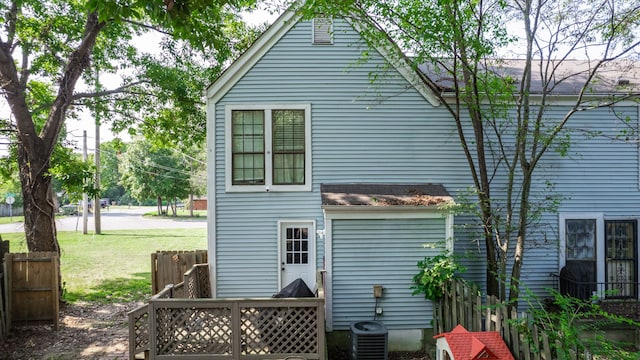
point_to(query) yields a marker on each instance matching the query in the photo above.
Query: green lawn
(116, 265)
(12, 219)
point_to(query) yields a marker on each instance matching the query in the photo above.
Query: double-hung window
(268, 148)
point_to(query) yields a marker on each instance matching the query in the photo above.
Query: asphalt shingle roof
(567, 78)
(364, 194)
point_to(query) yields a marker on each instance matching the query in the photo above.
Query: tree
(51, 47)
(109, 169)
(503, 120)
(149, 172)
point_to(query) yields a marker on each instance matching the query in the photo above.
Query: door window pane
(297, 245)
(581, 239)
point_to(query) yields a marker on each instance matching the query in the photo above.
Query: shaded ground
(97, 331)
(86, 331)
(344, 355)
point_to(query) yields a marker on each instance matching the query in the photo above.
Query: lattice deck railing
(238, 329)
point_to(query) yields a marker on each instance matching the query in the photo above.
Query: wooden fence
(4, 327)
(168, 267)
(32, 288)
(462, 304)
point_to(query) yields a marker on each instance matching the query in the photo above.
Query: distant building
(199, 203)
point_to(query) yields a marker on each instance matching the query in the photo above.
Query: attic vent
(322, 31)
(623, 82)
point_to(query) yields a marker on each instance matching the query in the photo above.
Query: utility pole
(96, 201)
(85, 196)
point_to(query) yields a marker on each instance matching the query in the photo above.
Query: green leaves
(150, 172)
(435, 275)
(72, 174)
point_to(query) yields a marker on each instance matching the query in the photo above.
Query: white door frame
(282, 224)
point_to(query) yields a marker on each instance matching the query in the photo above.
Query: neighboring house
(312, 165)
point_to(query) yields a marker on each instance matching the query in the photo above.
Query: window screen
(288, 147)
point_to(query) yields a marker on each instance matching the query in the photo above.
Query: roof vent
(322, 31)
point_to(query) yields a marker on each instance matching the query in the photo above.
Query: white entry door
(298, 252)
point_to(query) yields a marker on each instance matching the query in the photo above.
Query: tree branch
(121, 89)
(147, 26)
(78, 61)
(11, 17)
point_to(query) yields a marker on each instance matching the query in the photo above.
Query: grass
(116, 265)
(12, 219)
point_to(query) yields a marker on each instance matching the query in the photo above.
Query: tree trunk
(159, 205)
(34, 151)
(191, 204)
(39, 209)
(38, 206)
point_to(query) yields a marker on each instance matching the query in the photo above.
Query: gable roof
(384, 194)
(476, 345)
(275, 32)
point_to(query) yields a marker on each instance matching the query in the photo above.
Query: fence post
(478, 309)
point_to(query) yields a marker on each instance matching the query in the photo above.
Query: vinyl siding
(361, 132)
(599, 174)
(386, 132)
(384, 252)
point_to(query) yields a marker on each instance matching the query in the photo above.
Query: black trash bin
(369, 340)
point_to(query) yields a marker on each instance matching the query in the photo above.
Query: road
(118, 218)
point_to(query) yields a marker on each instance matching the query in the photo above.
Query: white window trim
(600, 251)
(268, 186)
(312, 235)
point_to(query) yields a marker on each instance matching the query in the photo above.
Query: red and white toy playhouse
(460, 344)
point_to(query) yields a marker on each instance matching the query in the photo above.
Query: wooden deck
(238, 329)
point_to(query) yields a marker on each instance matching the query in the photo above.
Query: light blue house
(314, 166)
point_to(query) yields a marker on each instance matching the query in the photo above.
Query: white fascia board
(382, 212)
(249, 58)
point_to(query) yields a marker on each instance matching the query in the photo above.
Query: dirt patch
(85, 331)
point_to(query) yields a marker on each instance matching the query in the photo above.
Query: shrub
(579, 327)
(435, 275)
